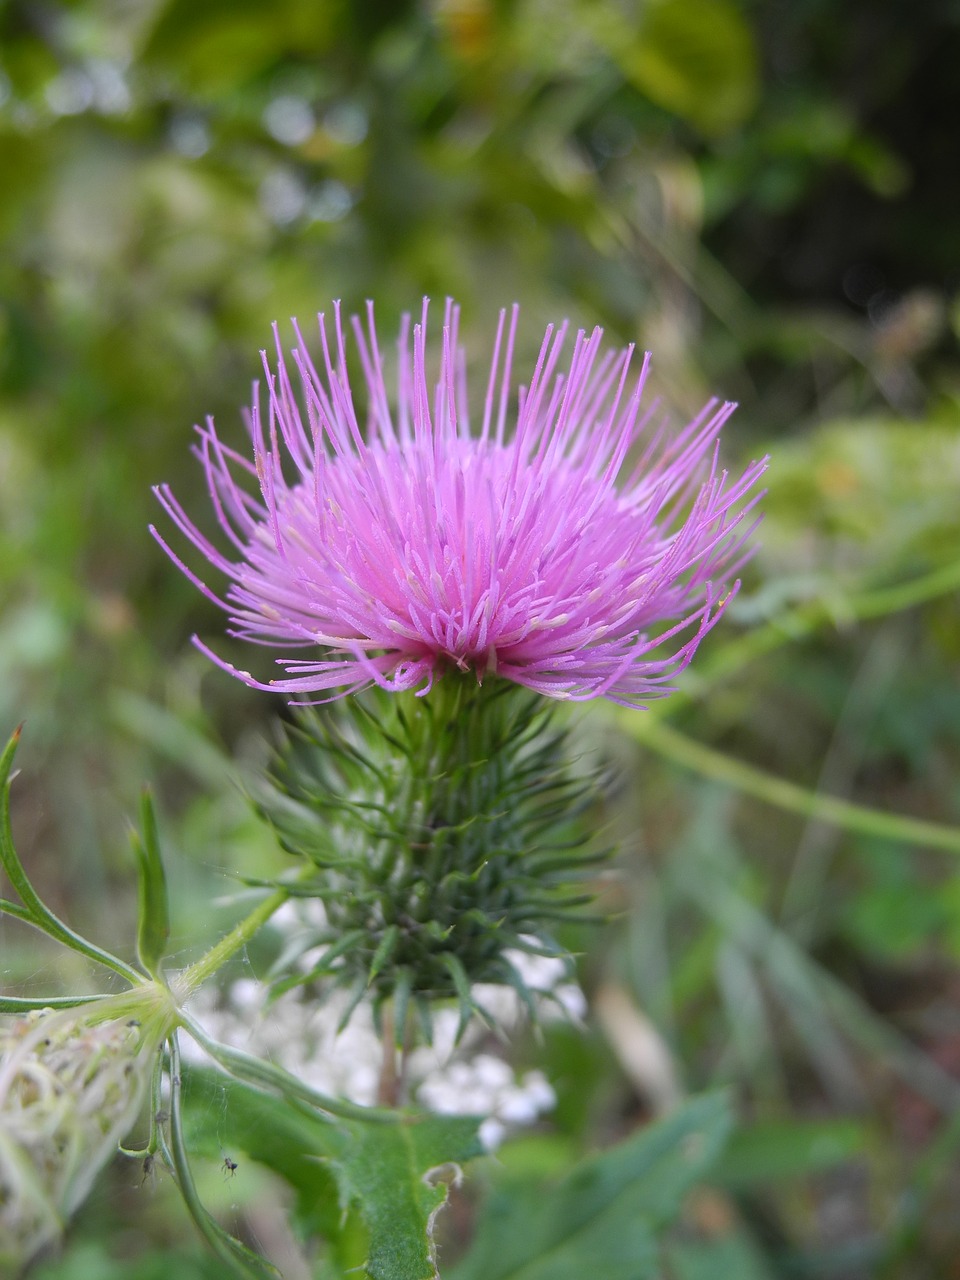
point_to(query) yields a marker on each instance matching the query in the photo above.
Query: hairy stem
(196, 974)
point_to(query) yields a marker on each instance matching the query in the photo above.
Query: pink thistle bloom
(582, 553)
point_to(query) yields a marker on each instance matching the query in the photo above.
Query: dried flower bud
(71, 1086)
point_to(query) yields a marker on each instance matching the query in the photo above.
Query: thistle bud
(71, 1086)
(444, 832)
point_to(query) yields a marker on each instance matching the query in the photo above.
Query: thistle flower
(71, 1086)
(570, 544)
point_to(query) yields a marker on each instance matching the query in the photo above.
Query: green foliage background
(767, 196)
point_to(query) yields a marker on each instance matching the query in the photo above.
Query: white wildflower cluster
(71, 1086)
(301, 1034)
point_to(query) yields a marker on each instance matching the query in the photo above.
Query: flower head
(569, 543)
(71, 1086)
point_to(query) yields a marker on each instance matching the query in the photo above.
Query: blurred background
(767, 196)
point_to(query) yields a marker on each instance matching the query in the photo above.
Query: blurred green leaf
(92, 1258)
(217, 47)
(731, 1256)
(869, 498)
(605, 1216)
(777, 1150)
(895, 913)
(695, 58)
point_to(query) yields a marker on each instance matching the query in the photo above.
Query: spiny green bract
(444, 830)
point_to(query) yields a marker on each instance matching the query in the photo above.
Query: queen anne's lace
(570, 544)
(70, 1089)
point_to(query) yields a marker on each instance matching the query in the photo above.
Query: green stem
(189, 979)
(239, 1260)
(787, 795)
(24, 1004)
(267, 1075)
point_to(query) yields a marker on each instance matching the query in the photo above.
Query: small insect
(149, 1168)
(229, 1167)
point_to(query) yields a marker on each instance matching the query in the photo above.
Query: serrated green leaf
(393, 1176)
(397, 1177)
(604, 1217)
(153, 915)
